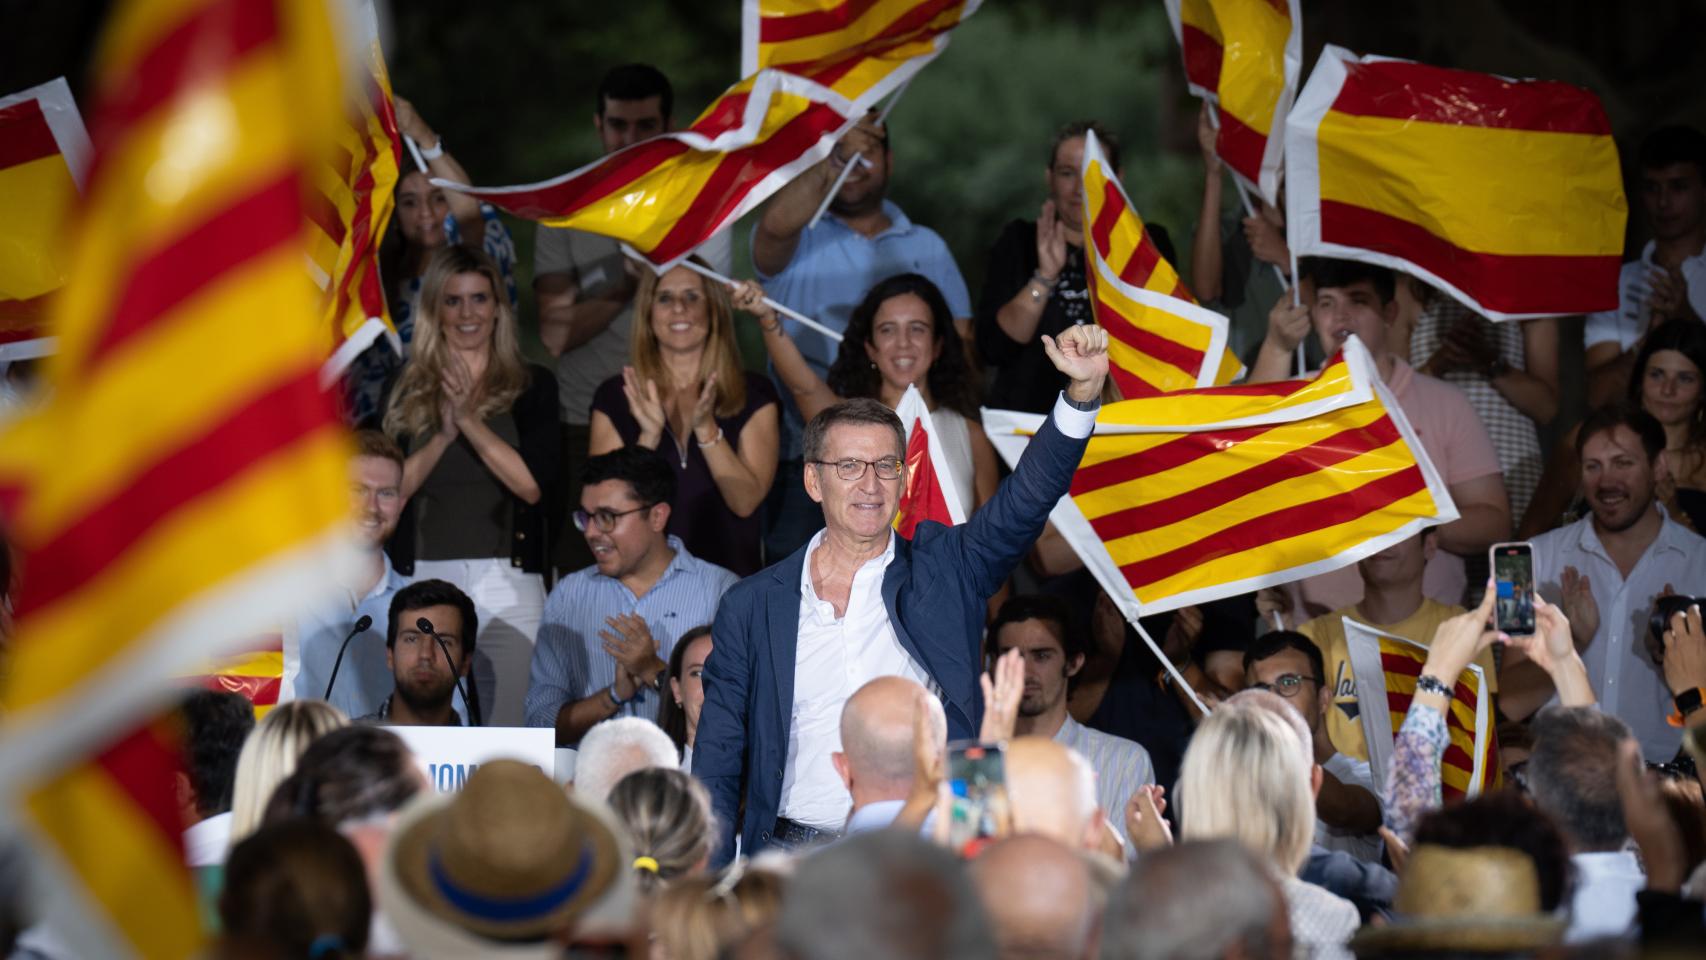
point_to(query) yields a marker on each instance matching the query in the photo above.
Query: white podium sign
(449, 755)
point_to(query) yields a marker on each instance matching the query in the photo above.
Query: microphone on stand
(361, 626)
(470, 693)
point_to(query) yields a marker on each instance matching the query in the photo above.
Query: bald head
(1010, 876)
(1053, 792)
(876, 737)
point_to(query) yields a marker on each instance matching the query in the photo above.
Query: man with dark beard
(1605, 570)
(1041, 628)
(424, 683)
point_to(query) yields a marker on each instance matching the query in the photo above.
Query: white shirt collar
(880, 561)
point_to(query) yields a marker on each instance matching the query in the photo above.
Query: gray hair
(861, 411)
(1572, 774)
(617, 747)
(885, 894)
(1158, 913)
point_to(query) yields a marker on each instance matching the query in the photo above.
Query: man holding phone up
(1605, 570)
(859, 602)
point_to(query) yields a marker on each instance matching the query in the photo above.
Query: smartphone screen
(977, 778)
(1513, 579)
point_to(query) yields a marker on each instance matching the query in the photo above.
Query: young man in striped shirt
(1040, 627)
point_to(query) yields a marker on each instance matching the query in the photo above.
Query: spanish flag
(44, 151)
(1159, 339)
(253, 669)
(183, 483)
(861, 49)
(930, 492)
(350, 208)
(1505, 193)
(1201, 494)
(1245, 56)
(1390, 665)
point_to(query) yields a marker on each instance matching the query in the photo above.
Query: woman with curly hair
(902, 334)
(479, 427)
(686, 397)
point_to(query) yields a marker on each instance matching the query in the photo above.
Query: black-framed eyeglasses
(852, 468)
(1287, 684)
(606, 519)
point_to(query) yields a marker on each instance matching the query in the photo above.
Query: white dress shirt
(835, 657)
(205, 842)
(1626, 325)
(1628, 684)
(1351, 772)
(1602, 901)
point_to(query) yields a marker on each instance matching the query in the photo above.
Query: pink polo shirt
(1460, 449)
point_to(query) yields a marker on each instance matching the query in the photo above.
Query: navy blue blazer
(936, 590)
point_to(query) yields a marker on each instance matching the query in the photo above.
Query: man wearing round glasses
(859, 602)
(608, 629)
(1347, 812)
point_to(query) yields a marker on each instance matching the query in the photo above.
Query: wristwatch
(1428, 683)
(1686, 702)
(1085, 406)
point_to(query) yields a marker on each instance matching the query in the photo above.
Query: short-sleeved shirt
(1025, 379)
(832, 269)
(597, 264)
(699, 515)
(1344, 717)
(569, 662)
(1626, 325)
(1457, 443)
(1627, 683)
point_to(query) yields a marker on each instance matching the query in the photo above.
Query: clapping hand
(457, 383)
(1051, 242)
(1669, 298)
(1080, 352)
(701, 419)
(645, 405)
(1580, 607)
(630, 643)
(1001, 696)
(1144, 823)
(1685, 651)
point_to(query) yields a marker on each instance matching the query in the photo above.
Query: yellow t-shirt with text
(1344, 716)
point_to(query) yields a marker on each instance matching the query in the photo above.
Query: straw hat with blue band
(509, 858)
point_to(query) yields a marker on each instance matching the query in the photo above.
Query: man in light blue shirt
(312, 642)
(604, 644)
(824, 270)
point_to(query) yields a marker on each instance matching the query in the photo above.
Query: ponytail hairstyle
(668, 816)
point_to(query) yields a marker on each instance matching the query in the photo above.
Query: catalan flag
(1391, 664)
(861, 49)
(930, 492)
(1171, 507)
(350, 207)
(1245, 56)
(183, 485)
(253, 668)
(1507, 194)
(44, 151)
(1159, 339)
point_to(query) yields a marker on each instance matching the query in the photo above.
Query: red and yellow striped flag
(930, 492)
(1158, 338)
(1245, 56)
(254, 669)
(351, 207)
(1171, 506)
(44, 151)
(667, 195)
(861, 49)
(183, 484)
(1470, 763)
(1505, 193)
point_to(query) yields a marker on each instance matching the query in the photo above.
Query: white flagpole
(847, 171)
(708, 273)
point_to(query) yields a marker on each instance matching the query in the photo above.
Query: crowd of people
(799, 734)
